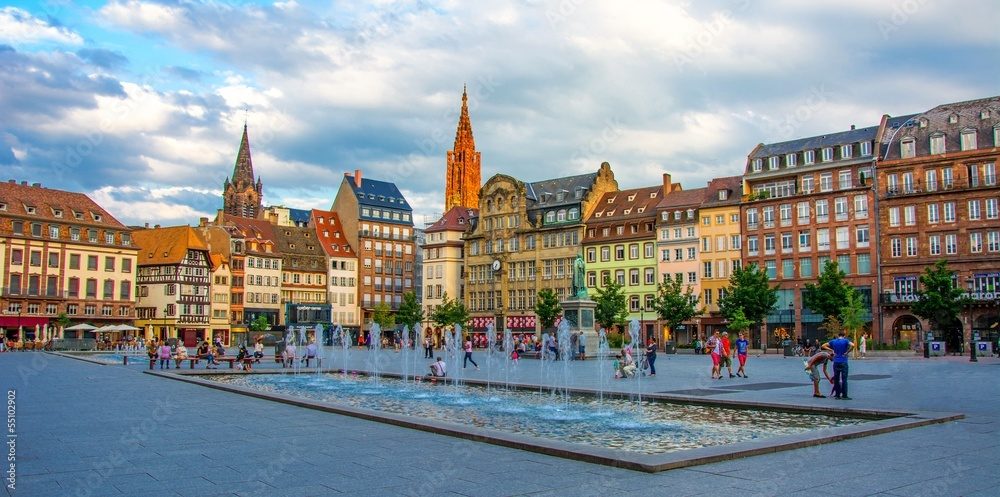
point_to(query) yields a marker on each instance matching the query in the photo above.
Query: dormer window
(361, 196)
(937, 143)
(758, 165)
(560, 196)
(827, 154)
(953, 119)
(772, 163)
(96, 216)
(640, 210)
(57, 212)
(578, 194)
(371, 196)
(790, 160)
(381, 198)
(809, 157)
(652, 194)
(922, 122)
(30, 209)
(690, 214)
(677, 215)
(611, 200)
(907, 148)
(969, 139)
(866, 149)
(78, 214)
(845, 151)
(3, 206)
(723, 194)
(631, 197)
(626, 212)
(665, 216)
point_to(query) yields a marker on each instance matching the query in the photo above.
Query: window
(708, 296)
(619, 252)
(758, 165)
(633, 251)
(808, 184)
(866, 149)
(785, 214)
(706, 269)
(993, 241)
(911, 246)
(843, 237)
(650, 276)
(771, 269)
(991, 208)
(802, 209)
(35, 259)
(692, 277)
(897, 247)
(789, 160)
(968, 139)
(826, 182)
(605, 254)
(786, 243)
(862, 236)
(975, 242)
(910, 215)
(937, 144)
(973, 171)
(633, 277)
(822, 211)
(951, 244)
(844, 180)
(827, 154)
(805, 268)
(930, 180)
(769, 244)
(908, 182)
(772, 163)
(706, 244)
(720, 243)
(864, 264)
(907, 148)
(805, 241)
(933, 216)
(648, 250)
(823, 239)
(844, 263)
(620, 277)
(974, 213)
(989, 174)
(591, 255)
(934, 244)
(734, 242)
(949, 212)
(894, 216)
(947, 179)
(787, 268)
(860, 207)
(692, 253)
(109, 263)
(92, 262)
(752, 218)
(840, 208)
(752, 245)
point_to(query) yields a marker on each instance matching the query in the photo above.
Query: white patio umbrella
(81, 327)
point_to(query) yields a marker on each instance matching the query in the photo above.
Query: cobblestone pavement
(91, 430)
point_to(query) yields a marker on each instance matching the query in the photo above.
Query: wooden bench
(280, 360)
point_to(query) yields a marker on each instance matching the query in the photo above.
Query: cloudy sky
(141, 103)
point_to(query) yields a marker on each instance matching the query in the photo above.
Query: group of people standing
(721, 350)
(835, 351)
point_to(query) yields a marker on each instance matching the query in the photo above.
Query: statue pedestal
(580, 314)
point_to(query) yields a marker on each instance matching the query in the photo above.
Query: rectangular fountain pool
(653, 434)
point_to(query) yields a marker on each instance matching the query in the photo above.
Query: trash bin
(788, 348)
(669, 347)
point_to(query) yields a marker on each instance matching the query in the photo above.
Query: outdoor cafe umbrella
(81, 327)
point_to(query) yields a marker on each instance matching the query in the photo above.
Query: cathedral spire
(462, 175)
(243, 170)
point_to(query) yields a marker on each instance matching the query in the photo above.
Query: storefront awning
(23, 321)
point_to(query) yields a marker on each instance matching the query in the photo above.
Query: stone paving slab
(86, 429)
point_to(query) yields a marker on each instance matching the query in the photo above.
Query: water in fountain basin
(508, 348)
(374, 347)
(602, 357)
(491, 342)
(637, 348)
(565, 354)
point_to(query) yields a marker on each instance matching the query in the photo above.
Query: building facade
(60, 252)
(222, 276)
(174, 284)
(342, 270)
(938, 199)
(806, 202)
(262, 269)
(721, 242)
(677, 241)
(241, 197)
(444, 259)
(304, 295)
(619, 245)
(378, 223)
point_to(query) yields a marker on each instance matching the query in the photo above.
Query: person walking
(863, 346)
(714, 348)
(812, 370)
(840, 347)
(726, 358)
(468, 355)
(651, 355)
(572, 346)
(165, 354)
(742, 346)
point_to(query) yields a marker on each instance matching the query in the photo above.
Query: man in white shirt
(438, 368)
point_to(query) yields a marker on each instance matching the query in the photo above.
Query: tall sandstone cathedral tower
(463, 177)
(241, 197)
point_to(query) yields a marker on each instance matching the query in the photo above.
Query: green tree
(450, 312)
(674, 306)
(612, 305)
(852, 316)
(547, 308)
(750, 293)
(383, 316)
(829, 295)
(260, 324)
(940, 301)
(63, 320)
(739, 322)
(410, 312)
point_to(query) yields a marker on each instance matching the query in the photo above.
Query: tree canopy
(674, 305)
(939, 299)
(547, 308)
(612, 305)
(410, 312)
(830, 293)
(383, 316)
(450, 312)
(750, 293)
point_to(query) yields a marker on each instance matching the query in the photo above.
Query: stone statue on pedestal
(579, 284)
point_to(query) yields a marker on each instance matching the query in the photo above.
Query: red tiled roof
(683, 198)
(732, 184)
(330, 234)
(456, 219)
(75, 208)
(166, 245)
(255, 230)
(638, 202)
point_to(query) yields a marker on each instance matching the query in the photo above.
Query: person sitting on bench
(242, 356)
(258, 350)
(181, 355)
(288, 357)
(438, 368)
(311, 350)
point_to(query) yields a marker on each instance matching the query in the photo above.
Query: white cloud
(19, 27)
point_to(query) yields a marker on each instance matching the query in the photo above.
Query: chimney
(156, 226)
(146, 225)
(666, 183)
(24, 183)
(202, 222)
(852, 127)
(357, 178)
(36, 185)
(12, 181)
(220, 217)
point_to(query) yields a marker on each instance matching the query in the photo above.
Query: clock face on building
(496, 265)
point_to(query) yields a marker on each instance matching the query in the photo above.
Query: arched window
(550, 217)
(561, 216)
(574, 213)
(489, 206)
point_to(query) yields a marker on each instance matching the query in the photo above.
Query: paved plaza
(90, 430)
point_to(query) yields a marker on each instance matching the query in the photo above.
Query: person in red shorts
(727, 358)
(714, 348)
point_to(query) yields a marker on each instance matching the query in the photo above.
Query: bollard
(972, 354)
(126, 360)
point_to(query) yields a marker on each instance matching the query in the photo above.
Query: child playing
(514, 356)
